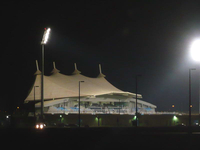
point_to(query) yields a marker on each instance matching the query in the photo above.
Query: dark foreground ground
(101, 138)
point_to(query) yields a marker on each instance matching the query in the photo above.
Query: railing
(121, 111)
(115, 110)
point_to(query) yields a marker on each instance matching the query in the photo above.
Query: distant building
(97, 95)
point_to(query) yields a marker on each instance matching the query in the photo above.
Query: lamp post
(34, 99)
(195, 53)
(190, 97)
(136, 86)
(43, 42)
(79, 97)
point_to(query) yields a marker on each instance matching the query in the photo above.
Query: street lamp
(190, 95)
(136, 86)
(79, 97)
(43, 42)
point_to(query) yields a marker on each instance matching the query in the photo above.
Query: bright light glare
(37, 126)
(195, 50)
(41, 126)
(175, 118)
(46, 36)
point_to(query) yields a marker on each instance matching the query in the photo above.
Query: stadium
(97, 95)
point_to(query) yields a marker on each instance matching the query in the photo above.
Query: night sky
(127, 38)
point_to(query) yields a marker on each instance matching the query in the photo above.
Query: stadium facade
(97, 95)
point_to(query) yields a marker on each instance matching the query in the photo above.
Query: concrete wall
(121, 120)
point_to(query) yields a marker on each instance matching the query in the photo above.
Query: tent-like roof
(58, 86)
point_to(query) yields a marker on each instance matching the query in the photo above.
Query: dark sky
(127, 38)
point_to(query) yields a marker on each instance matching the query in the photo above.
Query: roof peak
(55, 70)
(100, 72)
(38, 72)
(76, 71)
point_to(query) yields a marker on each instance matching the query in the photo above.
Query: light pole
(190, 96)
(34, 99)
(43, 42)
(136, 86)
(195, 53)
(79, 97)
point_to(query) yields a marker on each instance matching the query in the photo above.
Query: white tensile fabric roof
(66, 86)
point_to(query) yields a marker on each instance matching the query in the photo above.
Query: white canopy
(59, 86)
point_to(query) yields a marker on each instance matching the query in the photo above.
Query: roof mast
(38, 71)
(100, 72)
(55, 70)
(76, 71)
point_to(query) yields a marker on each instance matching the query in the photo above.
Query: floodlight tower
(190, 97)
(195, 53)
(43, 42)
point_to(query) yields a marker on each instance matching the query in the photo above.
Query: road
(102, 138)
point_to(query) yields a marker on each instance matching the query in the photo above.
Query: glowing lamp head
(195, 50)
(45, 36)
(175, 118)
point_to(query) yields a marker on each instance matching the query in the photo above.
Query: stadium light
(45, 36)
(195, 53)
(43, 42)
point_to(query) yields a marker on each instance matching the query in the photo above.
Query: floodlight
(45, 36)
(195, 50)
(175, 118)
